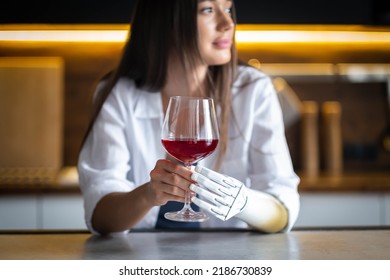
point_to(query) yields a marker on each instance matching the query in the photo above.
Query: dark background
(367, 12)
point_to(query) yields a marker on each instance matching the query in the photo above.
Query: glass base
(186, 215)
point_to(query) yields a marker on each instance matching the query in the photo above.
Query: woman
(185, 47)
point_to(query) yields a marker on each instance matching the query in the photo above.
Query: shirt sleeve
(271, 168)
(103, 160)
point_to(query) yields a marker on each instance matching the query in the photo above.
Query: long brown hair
(157, 28)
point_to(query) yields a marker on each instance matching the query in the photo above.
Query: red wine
(190, 151)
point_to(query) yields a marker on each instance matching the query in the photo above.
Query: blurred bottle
(309, 139)
(332, 138)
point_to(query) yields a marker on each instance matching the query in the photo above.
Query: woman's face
(216, 31)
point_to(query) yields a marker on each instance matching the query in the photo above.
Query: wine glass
(189, 134)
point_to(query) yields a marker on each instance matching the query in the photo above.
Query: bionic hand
(220, 195)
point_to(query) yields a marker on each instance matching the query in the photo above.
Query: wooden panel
(31, 117)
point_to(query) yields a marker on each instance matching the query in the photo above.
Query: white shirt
(124, 145)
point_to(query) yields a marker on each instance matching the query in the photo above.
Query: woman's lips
(223, 43)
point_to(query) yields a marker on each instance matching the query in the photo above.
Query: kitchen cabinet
(342, 209)
(19, 212)
(387, 209)
(318, 209)
(41, 211)
(352, 70)
(62, 212)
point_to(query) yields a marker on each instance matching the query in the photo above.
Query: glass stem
(187, 201)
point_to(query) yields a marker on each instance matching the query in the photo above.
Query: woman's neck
(181, 82)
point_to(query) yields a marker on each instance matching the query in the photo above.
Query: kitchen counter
(315, 244)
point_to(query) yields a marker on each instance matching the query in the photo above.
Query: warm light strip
(64, 35)
(242, 36)
(282, 36)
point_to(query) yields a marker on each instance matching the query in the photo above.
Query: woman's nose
(225, 21)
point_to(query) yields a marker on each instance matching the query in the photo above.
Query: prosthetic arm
(226, 197)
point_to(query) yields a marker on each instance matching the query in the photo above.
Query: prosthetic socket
(218, 194)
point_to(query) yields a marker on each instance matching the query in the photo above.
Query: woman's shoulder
(125, 89)
(122, 84)
(125, 84)
(248, 75)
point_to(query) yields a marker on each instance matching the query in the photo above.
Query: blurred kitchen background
(329, 60)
